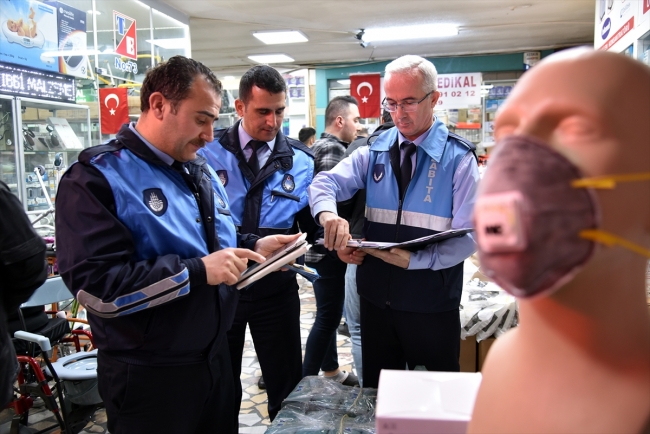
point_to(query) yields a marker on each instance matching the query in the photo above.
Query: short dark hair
(306, 133)
(386, 117)
(338, 106)
(174, 79)
(262, 76)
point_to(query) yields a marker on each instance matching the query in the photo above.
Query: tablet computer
(274, 261)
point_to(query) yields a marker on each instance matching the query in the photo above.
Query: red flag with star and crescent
(365, 88)
(114, 109)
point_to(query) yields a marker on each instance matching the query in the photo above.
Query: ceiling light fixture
(90, 11)
(409, 32)
(281, 37)
(270, 58)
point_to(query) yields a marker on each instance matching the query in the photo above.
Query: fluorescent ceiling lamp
(346, 81)
(90, 11)
(169, 44)
(281, 37)
(409, 32)
(270, 58)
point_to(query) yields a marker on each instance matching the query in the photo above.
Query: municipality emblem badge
(155, 200)
(223, 177)
(222, 203)
(288, 184)
(378, 172)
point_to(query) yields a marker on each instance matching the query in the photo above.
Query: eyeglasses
(407, 106)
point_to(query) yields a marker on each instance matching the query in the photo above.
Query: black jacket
(281, 159)
(96, 254)
(22, 270)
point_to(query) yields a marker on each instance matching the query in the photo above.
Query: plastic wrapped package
(486, 310)
(293, 419)
(509, 320)
(318, 405)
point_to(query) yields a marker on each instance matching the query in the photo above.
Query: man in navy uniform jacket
(420, 179)
(147, 244)
(266, 175)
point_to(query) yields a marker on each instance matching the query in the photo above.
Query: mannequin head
(588, 107)
(585, 104)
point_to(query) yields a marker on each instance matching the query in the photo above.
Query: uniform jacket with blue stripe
(130, 234)
(269, 203)
(426, 208)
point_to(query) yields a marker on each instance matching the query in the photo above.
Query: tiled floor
(253, 417)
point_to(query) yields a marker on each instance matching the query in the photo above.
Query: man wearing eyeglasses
(420, 179)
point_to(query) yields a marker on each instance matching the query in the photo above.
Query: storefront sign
(72, 41)
(86, 95)
(21, 81)
(458, 91)
(624, 30)
(618, 24)
(531, 58)
(607, 26)
(127, 66)
(29, 33)
(124, 31)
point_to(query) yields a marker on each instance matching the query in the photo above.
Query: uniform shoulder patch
(288, 184)
(155, 200)
(378, 172)
(223, 177)
(222, 203)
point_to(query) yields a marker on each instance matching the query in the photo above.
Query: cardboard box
(483, 348)
(414, 402)
(30, 114)
(468, 355)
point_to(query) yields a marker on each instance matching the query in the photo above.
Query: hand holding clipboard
(274, 261)
(410, 245)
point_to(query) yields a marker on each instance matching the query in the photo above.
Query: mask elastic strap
(609, 182)
(610, 240)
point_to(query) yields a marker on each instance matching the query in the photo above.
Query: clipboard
(411, 245)
(274, 261)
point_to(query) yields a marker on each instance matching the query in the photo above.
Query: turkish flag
(114, 109)
(366, 89)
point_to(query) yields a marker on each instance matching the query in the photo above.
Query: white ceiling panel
(221, 30)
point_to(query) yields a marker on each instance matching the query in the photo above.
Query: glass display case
(8, 141)
(497, 92)
(46, 136)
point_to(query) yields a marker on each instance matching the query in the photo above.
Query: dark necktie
(406, 167)
(253, 162)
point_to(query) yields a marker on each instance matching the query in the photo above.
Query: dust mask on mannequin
(537, 219)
